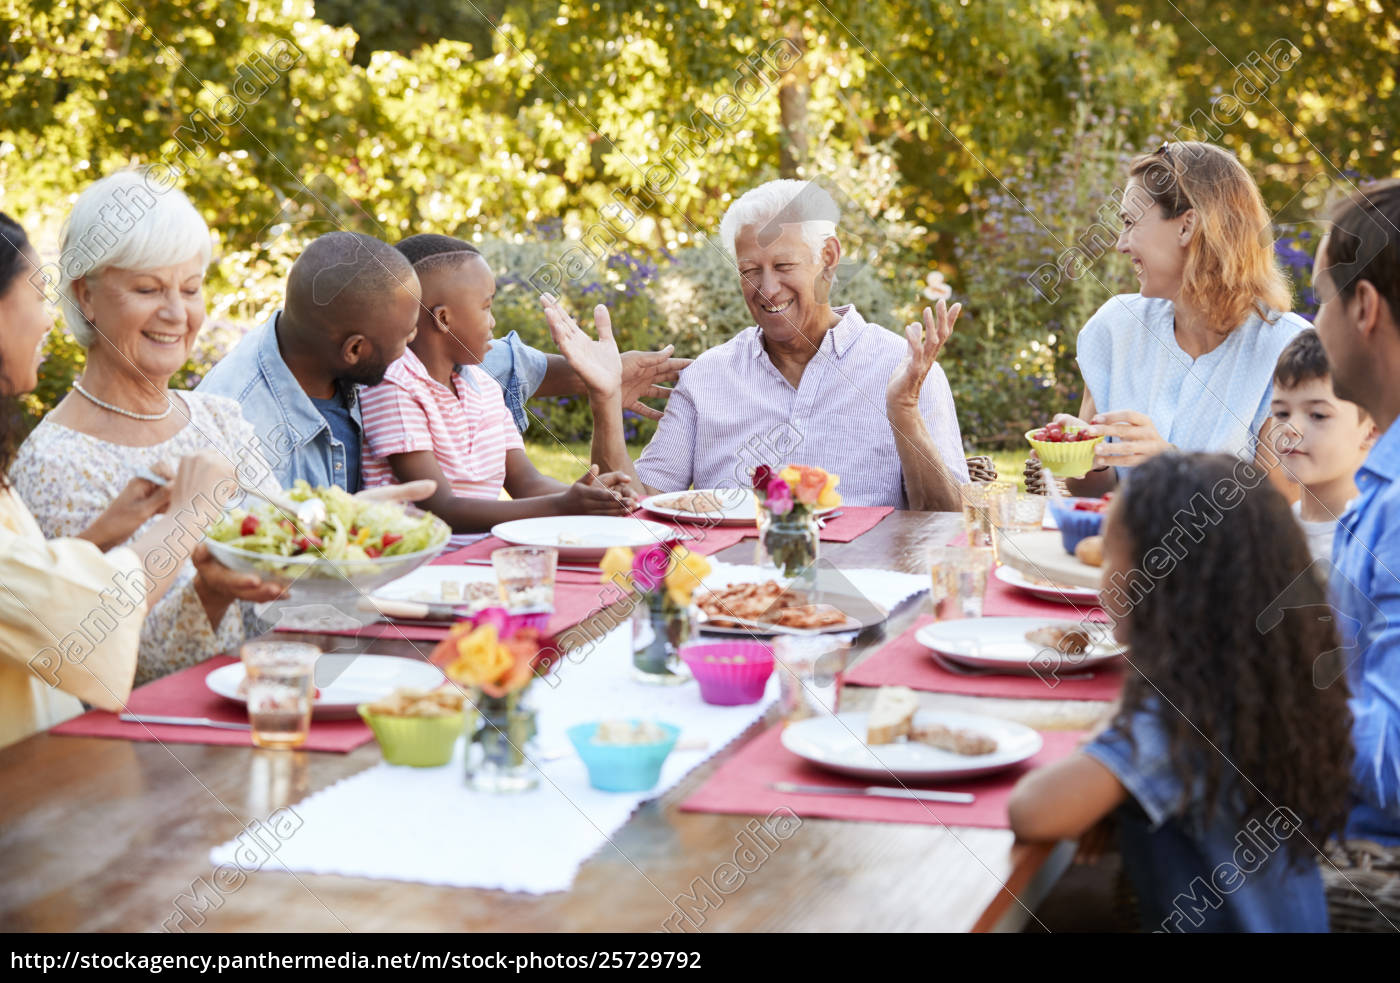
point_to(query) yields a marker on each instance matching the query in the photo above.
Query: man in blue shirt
(1357, 281)
(352, 307)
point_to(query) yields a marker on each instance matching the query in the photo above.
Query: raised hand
(598, 363)
(926, 341)
(642, 376)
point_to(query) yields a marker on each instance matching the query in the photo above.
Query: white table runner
(426, 825)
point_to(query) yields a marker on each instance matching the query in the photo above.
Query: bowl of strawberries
(1066, 450)
(1078, 518)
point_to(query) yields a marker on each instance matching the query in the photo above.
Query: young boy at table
(438, 415)
(1224, 766)
(1321, 440)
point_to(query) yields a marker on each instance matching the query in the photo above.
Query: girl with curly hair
(1227, 763)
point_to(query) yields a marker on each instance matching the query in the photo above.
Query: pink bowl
(730, 674)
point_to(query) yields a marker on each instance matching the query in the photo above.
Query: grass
(568, 461)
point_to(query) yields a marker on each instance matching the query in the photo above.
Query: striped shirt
(469, 431)
(733, 410)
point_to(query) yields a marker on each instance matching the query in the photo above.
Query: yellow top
(70, 624)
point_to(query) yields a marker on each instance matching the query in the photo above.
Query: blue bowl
(1075, 524)
(622, 767)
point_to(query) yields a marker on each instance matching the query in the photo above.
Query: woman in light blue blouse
(1188, 362)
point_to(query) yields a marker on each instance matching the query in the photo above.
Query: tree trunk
(792, 107)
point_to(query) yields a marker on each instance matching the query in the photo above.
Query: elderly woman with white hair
(132, 291)
(807, 383)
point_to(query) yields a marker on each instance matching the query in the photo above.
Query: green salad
(353, 532)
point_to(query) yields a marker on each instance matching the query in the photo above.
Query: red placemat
(573, 603)
(183, 694)
(854, 521)
(905, 662)
(740, 786)
(704, 539)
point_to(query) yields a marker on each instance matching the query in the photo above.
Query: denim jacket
(519, 369)
(295, 437)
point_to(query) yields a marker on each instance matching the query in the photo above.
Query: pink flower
(650, 566)
(779, 499)
(506, 624)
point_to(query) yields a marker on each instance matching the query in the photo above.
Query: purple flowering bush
(1040, 263)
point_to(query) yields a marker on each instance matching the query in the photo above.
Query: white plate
(740, 508)
(585, 537)
(838, 744)
(1000, 643)
(1050, 592)
(345, 681)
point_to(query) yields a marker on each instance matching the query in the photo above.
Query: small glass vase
(501, 750)
(791, 541)
(659, 629)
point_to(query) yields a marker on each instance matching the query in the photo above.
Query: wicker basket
(981, 468)
(1363, 886)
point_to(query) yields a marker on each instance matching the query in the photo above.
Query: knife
(147, 718)
(923, 795)
(409, 610)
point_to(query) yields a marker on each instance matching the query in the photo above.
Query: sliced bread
(892, 716)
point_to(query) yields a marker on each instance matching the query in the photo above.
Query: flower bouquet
(495, 655)
(662, 580)
(789, 501)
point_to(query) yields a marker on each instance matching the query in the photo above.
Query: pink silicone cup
(729, 683)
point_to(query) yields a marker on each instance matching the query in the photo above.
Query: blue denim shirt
(1365, 586)
(519, 369)
(1191, 875)
(295, 436)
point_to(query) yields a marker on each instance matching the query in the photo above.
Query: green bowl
(422, 742)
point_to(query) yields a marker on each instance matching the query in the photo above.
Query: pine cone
(1035, 475)
(981, 468)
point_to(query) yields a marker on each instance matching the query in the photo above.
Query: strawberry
(250, 525)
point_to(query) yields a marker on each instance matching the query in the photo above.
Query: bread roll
(1090, 551)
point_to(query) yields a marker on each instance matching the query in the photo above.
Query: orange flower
(810, 483)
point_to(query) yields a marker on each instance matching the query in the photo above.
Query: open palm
(597, 362)
(926, 341)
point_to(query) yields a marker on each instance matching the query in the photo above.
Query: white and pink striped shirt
(733, 410)
(469, 431)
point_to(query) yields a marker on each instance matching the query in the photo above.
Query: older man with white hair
(807, 383)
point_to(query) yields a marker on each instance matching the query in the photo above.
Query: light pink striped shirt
(469, 431)
(733, 410)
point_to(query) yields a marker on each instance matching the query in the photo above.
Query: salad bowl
(358, 546)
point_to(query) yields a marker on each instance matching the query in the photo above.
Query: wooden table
(103, 835)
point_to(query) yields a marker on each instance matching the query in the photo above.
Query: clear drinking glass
(281, 691)
(1027, 512)
(810, 672)
(525, 577)
(959, 575)
(987, 508)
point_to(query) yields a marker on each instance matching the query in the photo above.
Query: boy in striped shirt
(438, 415)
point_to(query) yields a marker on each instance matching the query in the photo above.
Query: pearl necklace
(147, 417)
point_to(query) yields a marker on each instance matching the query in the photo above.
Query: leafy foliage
(523, 125)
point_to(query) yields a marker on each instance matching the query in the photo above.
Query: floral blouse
(68, 479)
